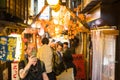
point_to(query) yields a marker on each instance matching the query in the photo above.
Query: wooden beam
(37, 16)
(111, 32)
(85, 26)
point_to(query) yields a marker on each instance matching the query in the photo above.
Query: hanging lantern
(53, 2)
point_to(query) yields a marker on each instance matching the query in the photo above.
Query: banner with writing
(7, 48)
(14, 71)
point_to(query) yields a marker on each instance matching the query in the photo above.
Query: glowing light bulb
(53, 2)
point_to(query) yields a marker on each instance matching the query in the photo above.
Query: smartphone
(34, 52)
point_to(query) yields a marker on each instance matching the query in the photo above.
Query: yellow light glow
(29, 21)
(55, 21)
(56, 30)
(41, 32)
(55, 14)
(53, 2)
(18, 51)
(33, 25)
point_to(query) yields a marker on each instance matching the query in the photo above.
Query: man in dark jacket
(32, 68)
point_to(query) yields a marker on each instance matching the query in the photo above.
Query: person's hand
(32, 60)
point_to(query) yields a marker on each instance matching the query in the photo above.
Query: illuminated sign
(11, 48)
(7, 48)
(18, 49)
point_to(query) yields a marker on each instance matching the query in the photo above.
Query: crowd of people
(48, 61)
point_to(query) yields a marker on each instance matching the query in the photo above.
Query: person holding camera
(31, 68)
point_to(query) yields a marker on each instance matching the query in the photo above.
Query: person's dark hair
(52, 40)
(60, 43)
(66, 43)
(45, 40)
(67, 56)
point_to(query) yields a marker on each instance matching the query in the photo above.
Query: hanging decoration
(73, 29)
(63, 20)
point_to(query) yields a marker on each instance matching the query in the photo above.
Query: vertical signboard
(12, 41)
(14, 68)
(3, 47)
(7, 48)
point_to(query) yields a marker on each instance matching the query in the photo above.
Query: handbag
(66, 75)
